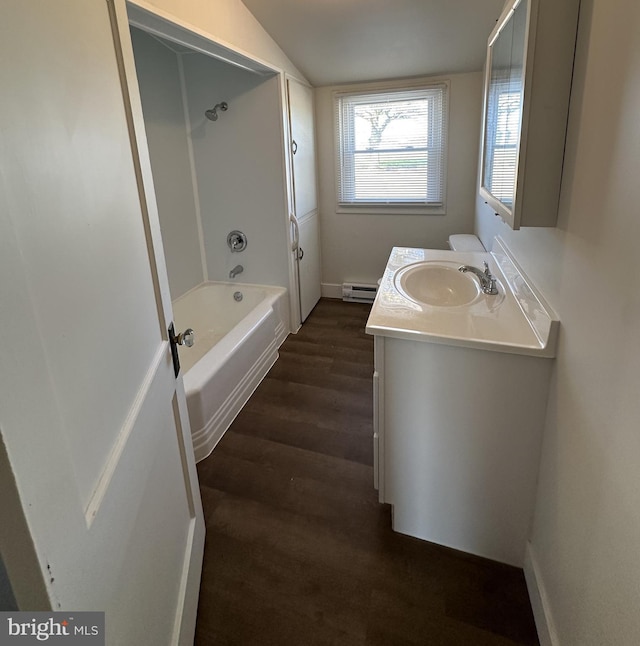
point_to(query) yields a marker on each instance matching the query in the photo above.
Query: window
(391, 147)
(502, 138)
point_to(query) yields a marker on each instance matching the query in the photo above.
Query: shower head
(212, 114)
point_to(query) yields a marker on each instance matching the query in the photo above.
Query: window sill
(390, 209)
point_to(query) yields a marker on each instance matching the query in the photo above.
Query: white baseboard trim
(329, 290)
(539, 601)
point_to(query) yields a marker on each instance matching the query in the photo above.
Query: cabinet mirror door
(504, 86)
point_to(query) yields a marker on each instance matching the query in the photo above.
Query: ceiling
(344, 41)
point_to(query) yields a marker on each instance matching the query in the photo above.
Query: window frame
(390, 206)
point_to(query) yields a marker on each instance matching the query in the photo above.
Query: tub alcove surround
(213, 176)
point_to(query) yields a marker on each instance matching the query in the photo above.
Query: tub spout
(238, 269)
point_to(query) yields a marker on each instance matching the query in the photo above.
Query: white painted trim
(184, 586)
(192, 168)
(153, 20)
(110, 465)
(141, 159)
(539, 600)
(185, 620)
(329, 290)
(185, 624)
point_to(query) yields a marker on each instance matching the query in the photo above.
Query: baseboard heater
(358, 293)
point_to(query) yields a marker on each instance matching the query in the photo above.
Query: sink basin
(436, 283)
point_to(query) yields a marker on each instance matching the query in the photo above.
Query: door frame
(184, 629)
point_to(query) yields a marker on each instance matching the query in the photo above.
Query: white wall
(239, 162)
(355, 247)
(160, 90)
(587, 524)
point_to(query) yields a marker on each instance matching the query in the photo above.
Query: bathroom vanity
(460, 392)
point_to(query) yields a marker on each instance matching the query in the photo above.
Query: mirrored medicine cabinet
(526, 100)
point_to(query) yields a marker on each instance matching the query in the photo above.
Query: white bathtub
(236, 344)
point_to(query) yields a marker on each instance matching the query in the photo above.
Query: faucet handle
(487, 273)
(237, 241)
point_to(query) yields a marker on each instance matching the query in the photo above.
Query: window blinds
(392, 146)
(502, 138)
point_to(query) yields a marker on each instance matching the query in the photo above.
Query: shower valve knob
(237, 241)
(188, 338)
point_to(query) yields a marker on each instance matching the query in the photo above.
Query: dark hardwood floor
(298, 550)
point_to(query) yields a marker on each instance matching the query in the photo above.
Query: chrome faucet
(238, 269)
(487, 280)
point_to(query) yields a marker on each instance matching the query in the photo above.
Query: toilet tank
(465, 242)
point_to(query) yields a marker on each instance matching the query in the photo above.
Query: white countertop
(516, 320)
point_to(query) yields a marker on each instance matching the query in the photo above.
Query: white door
(101, 508)
(305, 199)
